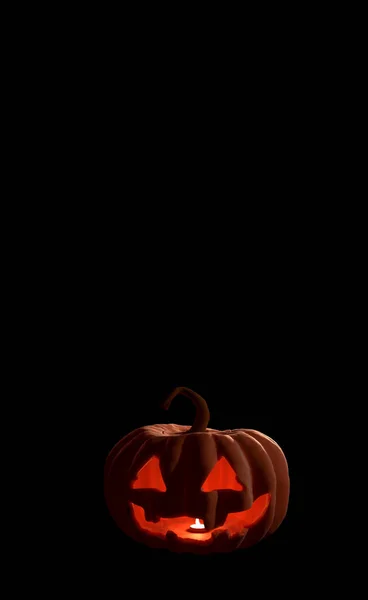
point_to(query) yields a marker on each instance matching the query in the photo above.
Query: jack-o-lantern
(194, 489)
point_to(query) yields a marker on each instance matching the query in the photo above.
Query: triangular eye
(222, 477)
(150, 476)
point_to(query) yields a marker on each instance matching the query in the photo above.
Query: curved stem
(203, 414)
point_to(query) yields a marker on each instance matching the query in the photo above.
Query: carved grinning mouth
(235, 524)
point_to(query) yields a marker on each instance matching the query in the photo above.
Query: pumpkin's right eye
(222, 477)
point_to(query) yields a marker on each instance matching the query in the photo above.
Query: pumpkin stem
(203, 414)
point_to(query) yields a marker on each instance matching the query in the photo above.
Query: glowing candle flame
(197, 526)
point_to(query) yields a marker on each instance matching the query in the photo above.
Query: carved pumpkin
(196, 489)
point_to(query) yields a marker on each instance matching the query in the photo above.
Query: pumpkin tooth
(220, 535)
(209, 522)
(171, 535)
(238, 536)
(149, 516)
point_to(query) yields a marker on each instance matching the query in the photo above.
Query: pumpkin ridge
(264, 477)
(120, 444)
(117, 456)
(281, 469)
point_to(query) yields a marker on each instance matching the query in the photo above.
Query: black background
(234, 403)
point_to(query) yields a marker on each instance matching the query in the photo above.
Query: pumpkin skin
(160, 478)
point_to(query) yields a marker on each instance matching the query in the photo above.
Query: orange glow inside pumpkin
(197, 526)
(234, 524)
(222, 476)
(150, 476)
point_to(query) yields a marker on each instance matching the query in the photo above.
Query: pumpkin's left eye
(222, 477)
(150, 476)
